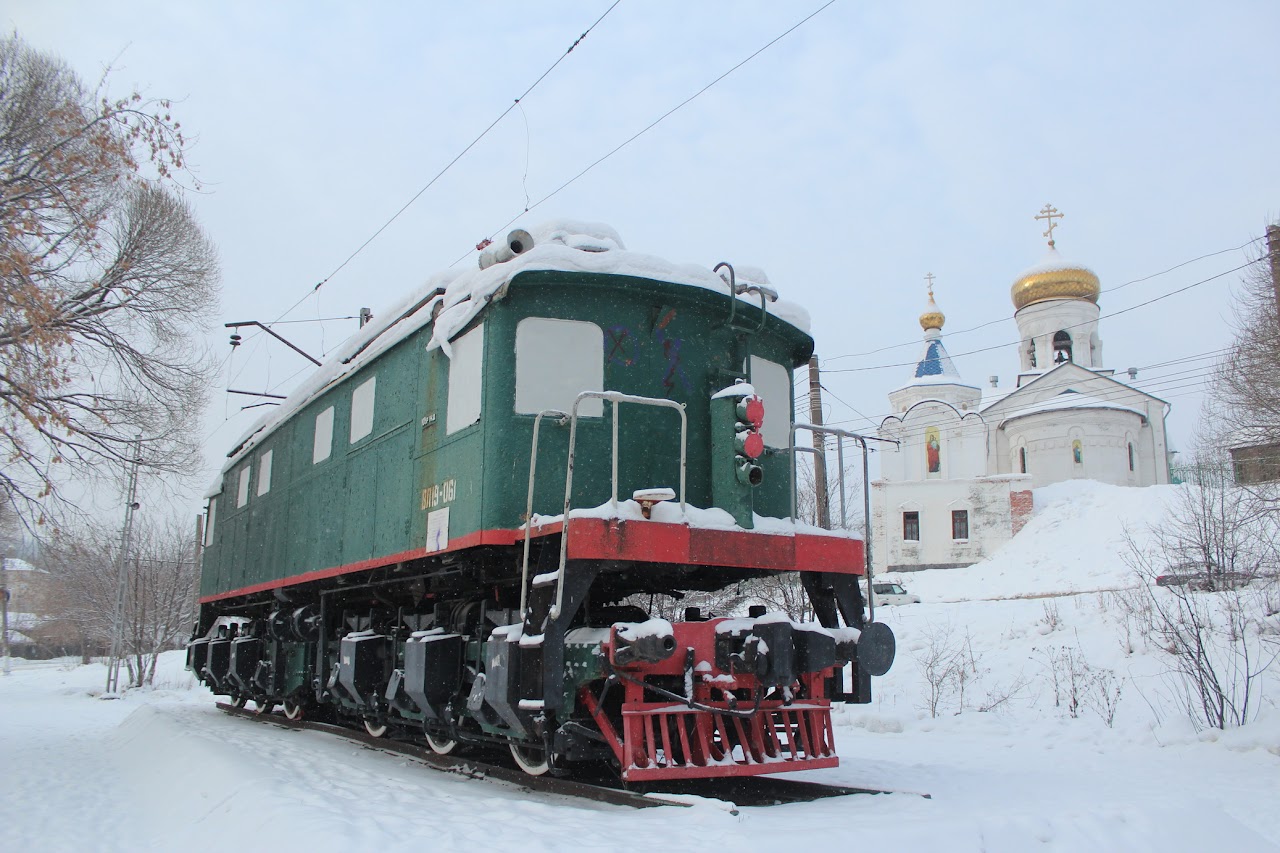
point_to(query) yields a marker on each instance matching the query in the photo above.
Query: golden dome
(932, 318)
(1054, 278)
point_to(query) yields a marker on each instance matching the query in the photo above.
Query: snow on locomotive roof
(564, 245)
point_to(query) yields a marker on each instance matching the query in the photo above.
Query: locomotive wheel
(239, 702)
(293, 710)
(531, 759)
(375, 729)
(263, 706)
(440, 744)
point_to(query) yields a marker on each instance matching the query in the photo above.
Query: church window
(1022, 459)
(911, 526)
(960, 524)
(1077, 452)
(1061, 347)
(1131, 456)
(1031, 351)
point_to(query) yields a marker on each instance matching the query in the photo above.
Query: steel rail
(743, 791)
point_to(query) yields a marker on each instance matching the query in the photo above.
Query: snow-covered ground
(163, 770)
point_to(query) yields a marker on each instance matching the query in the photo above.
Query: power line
(451, 163)
(1003, 319)
(660, 119)
(315, 320)
(1244, 245)
(846, 405)
(1160, 389)
(1158, 385)
(1074, 326)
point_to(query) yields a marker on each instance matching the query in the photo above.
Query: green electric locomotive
(456, 528)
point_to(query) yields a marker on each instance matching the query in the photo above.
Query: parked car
(886, 593)
(1202, 577)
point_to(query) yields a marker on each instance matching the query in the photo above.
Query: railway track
(754, 791)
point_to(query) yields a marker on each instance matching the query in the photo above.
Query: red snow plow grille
(670, 741)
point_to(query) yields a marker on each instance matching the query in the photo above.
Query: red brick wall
(1020, 504)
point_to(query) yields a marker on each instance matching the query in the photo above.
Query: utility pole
(117, 619)
(1273, 249)
(4, 601)
(819, 442)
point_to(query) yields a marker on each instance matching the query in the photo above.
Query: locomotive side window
(210, 518)
(556, 360)
(242, 495)
(324, 437)
(466, 372)
(773, 383)
(264, 472)
(362, 409)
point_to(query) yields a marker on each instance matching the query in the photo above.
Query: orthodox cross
(929, 278)
(1049, 213)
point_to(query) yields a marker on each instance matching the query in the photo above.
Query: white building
(958, 485)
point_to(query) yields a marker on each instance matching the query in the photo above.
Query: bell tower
(1056, 308)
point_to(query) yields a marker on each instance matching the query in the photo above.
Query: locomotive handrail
(736, 290)
(528, 512)
(614, 397)
(814, 429)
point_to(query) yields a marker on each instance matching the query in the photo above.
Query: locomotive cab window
(210, 519)
(242, 492)
(466, 372)
(362, 409)
(264, 472)
(556, 360)
(323, 437)
(773, 384)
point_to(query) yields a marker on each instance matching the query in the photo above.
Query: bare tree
(106, 282)
(160, 592)
(1215, 625)
(807, 490)
(1246, 391)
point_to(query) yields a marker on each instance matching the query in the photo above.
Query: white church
(959, 483)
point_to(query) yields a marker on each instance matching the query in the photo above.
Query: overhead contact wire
(663, 117)
(451, 163)
(959, 332)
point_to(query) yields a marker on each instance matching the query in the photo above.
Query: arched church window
(1031, 351)
(1131, 456)
(1061, 347)
(1022, 459)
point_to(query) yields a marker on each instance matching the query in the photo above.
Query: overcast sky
(872, 145)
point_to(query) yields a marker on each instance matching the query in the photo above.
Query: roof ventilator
(518, 242)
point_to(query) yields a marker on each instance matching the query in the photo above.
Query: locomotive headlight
(748, 473)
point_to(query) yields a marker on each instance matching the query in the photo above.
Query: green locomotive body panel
(338, 487)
